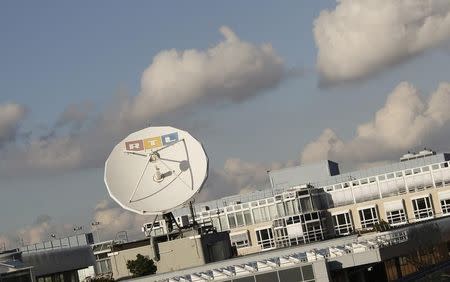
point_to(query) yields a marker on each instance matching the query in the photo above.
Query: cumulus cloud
(114, 219)
(360, 38)
(40, 230)
(75, 115)
(231, 71)
(11, 115)
(406, 121)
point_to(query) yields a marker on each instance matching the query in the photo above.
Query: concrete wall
(119, 260)
(180, 253)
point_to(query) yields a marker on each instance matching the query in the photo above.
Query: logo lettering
(136, 145)
(169, 138)
(152, 142)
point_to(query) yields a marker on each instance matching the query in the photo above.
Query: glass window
(307, 216)
(425, 168)
(396, 217)
(416, 170)
(223, 222)
(408, 172)
(264, 214)
(381, 177)
(290, 275)
(244, 279)
(305, 204)
(435, 166)
(104, 266)
(265, 238)
(372, 179)
(280, 209)
(267, 277)
(289, 207)
(240, 219)
(368, 217)
(422, 208)
(248, 217)
(399, 174)
(342, 223)
(390, 176)
(273, 211)
(308, 272)
(257, 215)
(445, 205)
(231, 220)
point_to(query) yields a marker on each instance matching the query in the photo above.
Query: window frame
(422, 213)
(368, 223)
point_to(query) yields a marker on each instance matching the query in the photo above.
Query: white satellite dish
(155, 170)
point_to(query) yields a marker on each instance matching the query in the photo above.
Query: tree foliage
(141, 266)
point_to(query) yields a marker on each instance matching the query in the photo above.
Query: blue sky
(54, 54)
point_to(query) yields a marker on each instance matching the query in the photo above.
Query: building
(373, 256)
(169, 255)
(312, 203)
(13, 269)
(63, 259)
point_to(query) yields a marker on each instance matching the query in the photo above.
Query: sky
(262, 84)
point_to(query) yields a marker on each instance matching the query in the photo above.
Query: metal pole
(194, 223)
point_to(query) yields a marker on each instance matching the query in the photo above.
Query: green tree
(141, 266)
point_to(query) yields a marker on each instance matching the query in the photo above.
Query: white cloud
(229, 72)
(75, 115)
(360, 38)
(40, 230)
(233, 70)
(11, 115)
(405, 122)
(114, 219)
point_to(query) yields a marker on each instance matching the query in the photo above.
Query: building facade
(328, 204)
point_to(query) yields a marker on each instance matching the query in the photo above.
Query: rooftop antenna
(155, 170)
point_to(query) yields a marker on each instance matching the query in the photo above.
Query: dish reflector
(155, 170)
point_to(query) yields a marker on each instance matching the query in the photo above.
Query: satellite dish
(155, 170)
